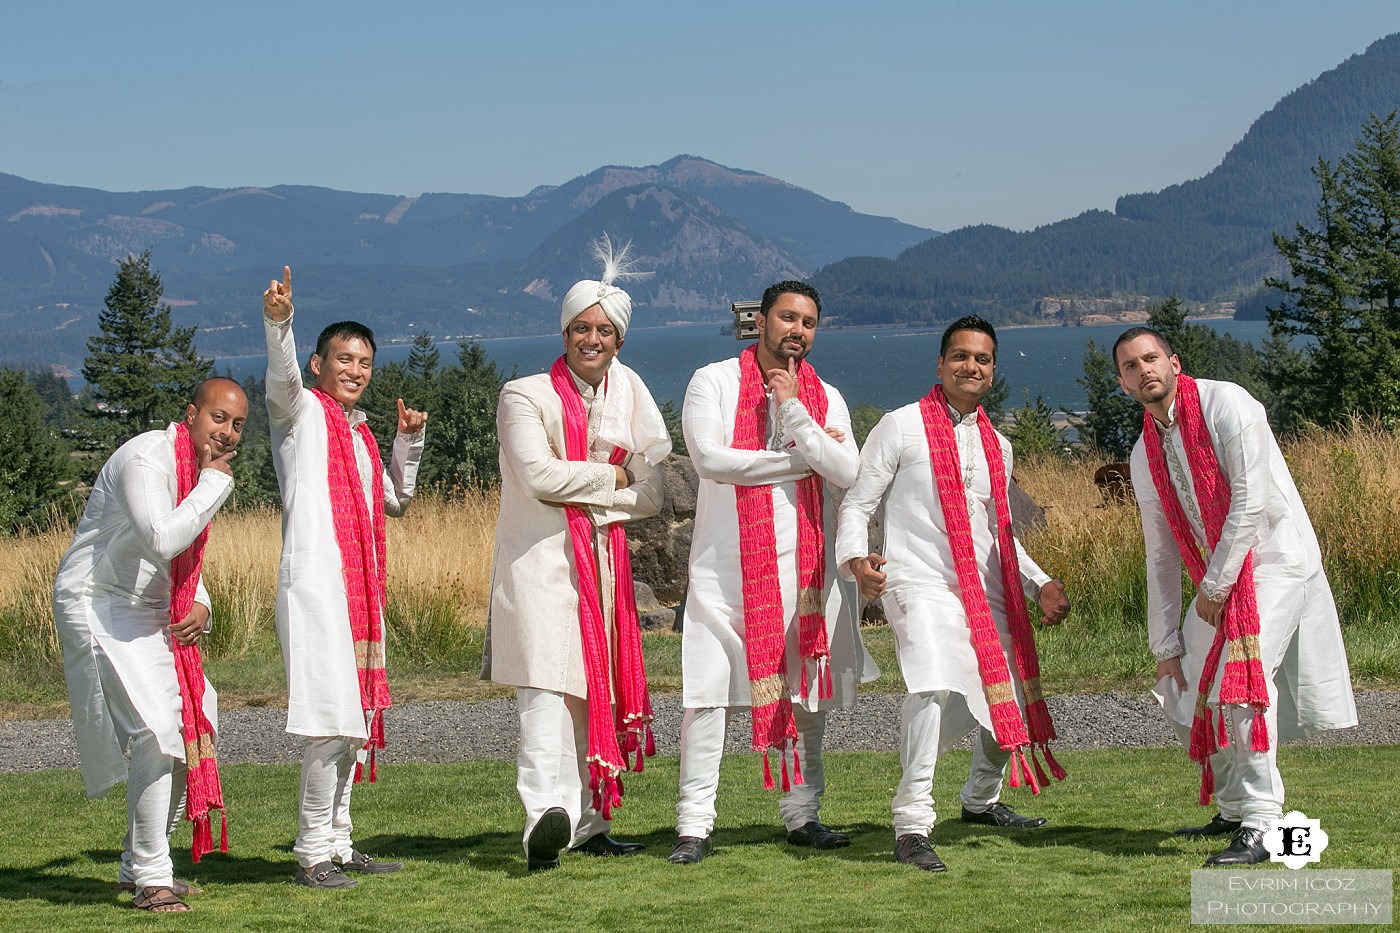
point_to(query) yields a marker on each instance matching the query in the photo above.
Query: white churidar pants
(702, 747)
(323, 815)
(551, 769)
(920, 722)
(1248, 785)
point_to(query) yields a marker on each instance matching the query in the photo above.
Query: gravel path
(453, 731)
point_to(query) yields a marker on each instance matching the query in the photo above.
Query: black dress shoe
(690, 849)
(1001, 815)
(1247, 848)
(603, 844)
(814, 835)
(547, 839)
(368, 864)
(1218, 826)
(915, 850)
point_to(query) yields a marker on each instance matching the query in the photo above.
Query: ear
(189, 413)
(1176, 364)
(315, 365)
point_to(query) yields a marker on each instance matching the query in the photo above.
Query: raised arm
(401, 474)
(703, 422)
(284, 384)
(163, 528)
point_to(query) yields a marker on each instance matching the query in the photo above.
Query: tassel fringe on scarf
(764, 640)
(204, 793)
(359, 533)
(1022, 737)
(1237, 635)
(616, 730)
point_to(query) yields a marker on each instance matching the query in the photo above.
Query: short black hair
(344, 330)
(210, 385)
(1133, 333)
(969, 322)
(789, 287)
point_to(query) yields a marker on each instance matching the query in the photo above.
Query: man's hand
(836, 433)
(623, 476)
(1053, 602)
(1172, 666)
(1209, 610)
(209, 461)
(277, 300)
(783, 382)
(188, 629)
(410, 421)
(869, 577)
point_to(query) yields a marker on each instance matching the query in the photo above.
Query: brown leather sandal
(181, 888)
(159, 900)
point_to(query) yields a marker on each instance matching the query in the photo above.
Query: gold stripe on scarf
(1003, 692)
(198, 750)
(768, 690)
(1031, 688)
(1244, 648)
(369, 655)
(809, 602)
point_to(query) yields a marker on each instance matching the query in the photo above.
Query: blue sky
(940, 113)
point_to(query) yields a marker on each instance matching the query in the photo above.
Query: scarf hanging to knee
(359, 534)
(1022, 737)
(204, 793)
(619, 703)
(1237, 635)
(765, 641)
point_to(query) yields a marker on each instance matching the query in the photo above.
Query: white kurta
(533, 637)
(1300, 637)
(112, 601)
(313, 620)
(714, 663)
(922, 596)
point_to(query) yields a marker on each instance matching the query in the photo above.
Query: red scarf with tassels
(765, 641)
(359, 533)
(1237, 635)
(1013, 733)
(619, 703)
(204, 793)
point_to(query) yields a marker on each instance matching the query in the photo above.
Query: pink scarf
(202, 781)
(1012, 732)
(619, 707)
(1237, 635)
(764, 637)
(360, 537)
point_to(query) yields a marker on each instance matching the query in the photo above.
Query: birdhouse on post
(745, 327)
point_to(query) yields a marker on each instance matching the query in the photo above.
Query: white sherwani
(1300, 638)
(313, 621)
(714, 662)
(112, 602)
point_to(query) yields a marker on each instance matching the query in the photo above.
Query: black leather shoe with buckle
(1247, 848)
(690, 849)
(1218, 826)
(603, 844)
(547, 839)
(999, 814)
(814, 835)
(368, 864)
(914, 849)
(324, 875)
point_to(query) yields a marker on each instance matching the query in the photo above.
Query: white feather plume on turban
(616, 303)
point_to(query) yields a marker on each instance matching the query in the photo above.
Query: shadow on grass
(54, 881)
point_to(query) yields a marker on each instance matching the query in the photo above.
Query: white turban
(617, 304)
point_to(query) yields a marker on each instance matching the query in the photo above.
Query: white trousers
(551, 769)
(920, 727)
(702, 747)
(1248, 785)
(323, 811)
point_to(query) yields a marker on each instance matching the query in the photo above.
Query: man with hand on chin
(768, 624)
(130, 585)
(955, 584)
(1260, 646)
(330, 587)
(579, 450)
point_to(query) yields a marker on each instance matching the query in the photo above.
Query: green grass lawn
(1107, 861)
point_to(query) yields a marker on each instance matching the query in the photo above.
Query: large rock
(660, 545)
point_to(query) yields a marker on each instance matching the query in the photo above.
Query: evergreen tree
(423, 359)
(462, 450)
(141, 369)
(1344, 292)
(1114, 420)
(1033, 433)
(34, 463)
(994, 402)
(863, 421)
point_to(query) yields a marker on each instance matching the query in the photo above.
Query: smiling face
(1147, 372)
(591, 341)
(967, 368)
(787, 330)
(216, 417)
(343, 372)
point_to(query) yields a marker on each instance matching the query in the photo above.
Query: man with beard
(768, 624)
(336, 492)
(130, 585)
(580, 447)
(955, 584)
(1260, 647)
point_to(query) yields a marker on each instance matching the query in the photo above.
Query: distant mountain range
(450, 264)
(1207, 240)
